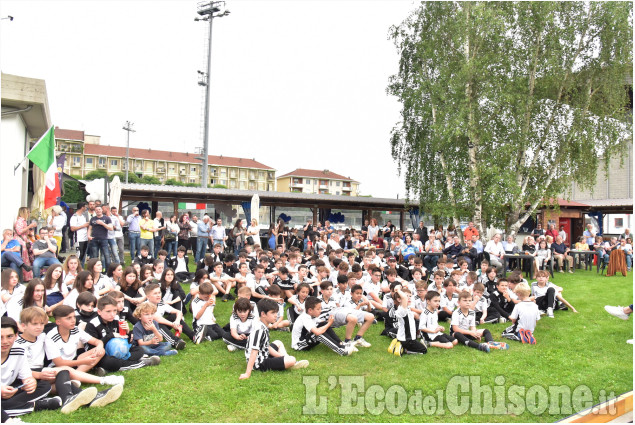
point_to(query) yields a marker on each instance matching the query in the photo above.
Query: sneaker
(180, 344)
(483, 347)
(99, 371)
(78, 400)
(425, 343)
(106, 397)
(49, 403)
(550, 312)
(349, 350)
(151, 361)
(629, 341)
(509, 335)
(113, 380)
(231, 348)
(527, 337)
(224, 299)
(542, 312)
(171, 353)
(284, 329)
(391, 347)
(362, 342)
(498, 345)
(502, 320)
(198, 337)
(570, 271)
(352, 345)
(301, 364)
(14, 420)
(560, 271)
(617, 312)
(76, 383)
(231, 297)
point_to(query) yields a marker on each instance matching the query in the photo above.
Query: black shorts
(443, 338)
(272, 363)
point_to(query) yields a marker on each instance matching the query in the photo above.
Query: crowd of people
(92, 315)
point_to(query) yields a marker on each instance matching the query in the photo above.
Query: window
(337, 183)
(213, 171)
(232, 173)
(243, 185)
(192, 180)
(223, 182)
(232, 184)
(89, 162)
(271, 174)
(172, 168)
(192, 170)
(77, 160)
(114, 162)
(619, 222)
(102, 162)
(252, 175)
(307, 181)
(270, 187)
(297, 180)
(261, 175)
(243, 174)
(337, 193)
(223, 173)
(261, 186)
(252, 185)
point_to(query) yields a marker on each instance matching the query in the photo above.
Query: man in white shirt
(118, 223)
(334, 241)
(79, 225)
(496, 252)
(218, 233)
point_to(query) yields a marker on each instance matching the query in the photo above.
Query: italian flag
(43, 156)
(192, 206)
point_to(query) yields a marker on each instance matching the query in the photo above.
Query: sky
(295, 84)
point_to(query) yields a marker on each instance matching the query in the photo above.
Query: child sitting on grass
(524, 317)
(259, 353)
(406, 328)
(145, 332)
(545, 294)
(281, 324)
(241, 324)
(464, 327)
(449, 300)
(297, 302)
(203, 319)
(429, 324)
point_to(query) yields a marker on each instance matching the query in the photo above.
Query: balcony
(296, 184)
(346, 188)
(182, 172)
(76, 164)
(100, 165)
(324, 186)
(161, 170)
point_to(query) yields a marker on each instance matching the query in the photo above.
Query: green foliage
(132, 177)
(206, 387)
(173, 182)
(96, 174)
(505, 104)
(191, 184)
(72, 192)
(219, 186)
(149, 180)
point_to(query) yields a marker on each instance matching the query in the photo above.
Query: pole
(204, 177)
(128, 128)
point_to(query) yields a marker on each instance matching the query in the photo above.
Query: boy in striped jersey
(406, 328)
(259, 353)
(344, 316)
(21, 392)
(429, 323)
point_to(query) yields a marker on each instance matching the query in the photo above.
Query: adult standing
(98, 233)
(172, 230)
(373, 229)
(218, 233)
(118, 223)
(203, 233)
(194, 234)
(496, 252)
(134, 232)
(79, 225)
(282, 232)
(551, 231)
(252, 233)
(21, 230)
(538, 231)
(308, 230)
(184, 232)
(147, 230)
(563, 234)
(159, 230)
(470, 231)
(57, 220)
(589, 234)
(44, 251)
(273, 236)
(112, 243)
(422, 231)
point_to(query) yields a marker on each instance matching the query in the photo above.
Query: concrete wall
(14, 188)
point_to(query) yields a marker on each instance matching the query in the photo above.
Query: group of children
(323, 293)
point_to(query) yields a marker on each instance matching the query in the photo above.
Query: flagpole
(34, 146)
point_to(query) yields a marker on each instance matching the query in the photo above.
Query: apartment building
(324, 182)
(84, 154)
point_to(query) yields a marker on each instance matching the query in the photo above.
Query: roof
(183, 193)
(315, 174)
(226, 161)
(623, 202)
(28, 97)
(60, 133)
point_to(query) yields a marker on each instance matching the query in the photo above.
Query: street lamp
(128, 128)
(209, 10)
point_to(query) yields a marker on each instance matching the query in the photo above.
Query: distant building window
(232, 184)
(261, 175)
(102, 162)
(337, 183)
(114, 162)
(232, 173)
(89, 162)
(619, 222)
(77, 160)
(337, 193)
(243, 174)
(192, 180)
(223, 173)
(192, 170)
(308, 181)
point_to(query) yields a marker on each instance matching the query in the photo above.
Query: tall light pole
(128, 128)
(210, 10)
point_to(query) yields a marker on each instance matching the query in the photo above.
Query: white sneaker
(350, 349)
(351, 344)
(362, 342)
(231, 348)
(300, 364)
(616, 311)
(113, 380)
(542, 312)
(550, 312)
(629, 341)
(501, 320)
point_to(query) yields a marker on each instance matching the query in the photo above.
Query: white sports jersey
(450, 303)
(15, 366)
(163, 309)
(328, 307)
(55, 346)
(33, 350)
(541, 291)
(340, 297)
(429, 320)
(370, 287)
(297, 301)
(258, 340)
(207, 318)
(240, 326)
(482, 304)
(526, 312)
(406, 329)
(463, 321)
(302, 330)
(103, 283)
(419, 303)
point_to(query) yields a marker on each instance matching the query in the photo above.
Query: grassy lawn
(201, 383)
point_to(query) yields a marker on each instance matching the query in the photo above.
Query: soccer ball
(118, 348)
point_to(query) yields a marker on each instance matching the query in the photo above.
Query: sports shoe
(300, 364)
(231, 348)
(151, 361)
(171, 353)
(49, 403)
(550, 312)
(180, 344)
(391, 347)
(570, 271)
(113, 380)
(526, 336)
(284, 329)
(231, 297)
(425, 343)
(106, 397)
(99, 371)
(510, 335)
(616, 311)
(352, 345)
(501, 320)
(542, 312)
(78, 400)
(76, 383)
(362, 342)
(201, 331)
(483, 347)
(629, 341)
(498, 345)
(14, 420)
(224, 299)
(560, 271)
(349, 349)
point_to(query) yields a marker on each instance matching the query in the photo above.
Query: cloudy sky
(295, 84)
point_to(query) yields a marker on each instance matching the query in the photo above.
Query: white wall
(609, 223)
(13, 187)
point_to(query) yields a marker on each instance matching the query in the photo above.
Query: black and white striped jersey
(241, 327)
(406, 329)
(258, 340)
(207, 318)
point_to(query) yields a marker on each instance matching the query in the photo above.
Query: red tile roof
(60, 133)
(119, 151)
(315, 174)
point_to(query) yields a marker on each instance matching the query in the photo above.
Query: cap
(392, 259)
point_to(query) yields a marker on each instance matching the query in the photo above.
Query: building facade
(85, 153)
(323, 182)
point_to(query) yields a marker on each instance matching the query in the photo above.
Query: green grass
(201, 383)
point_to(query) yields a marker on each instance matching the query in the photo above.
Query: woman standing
(252, 233)
(282, 233)
(273, 236)
(373, 229)
(57, 220)
(237, 234)
(21, 233)
(184, 231)
(171, 232)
